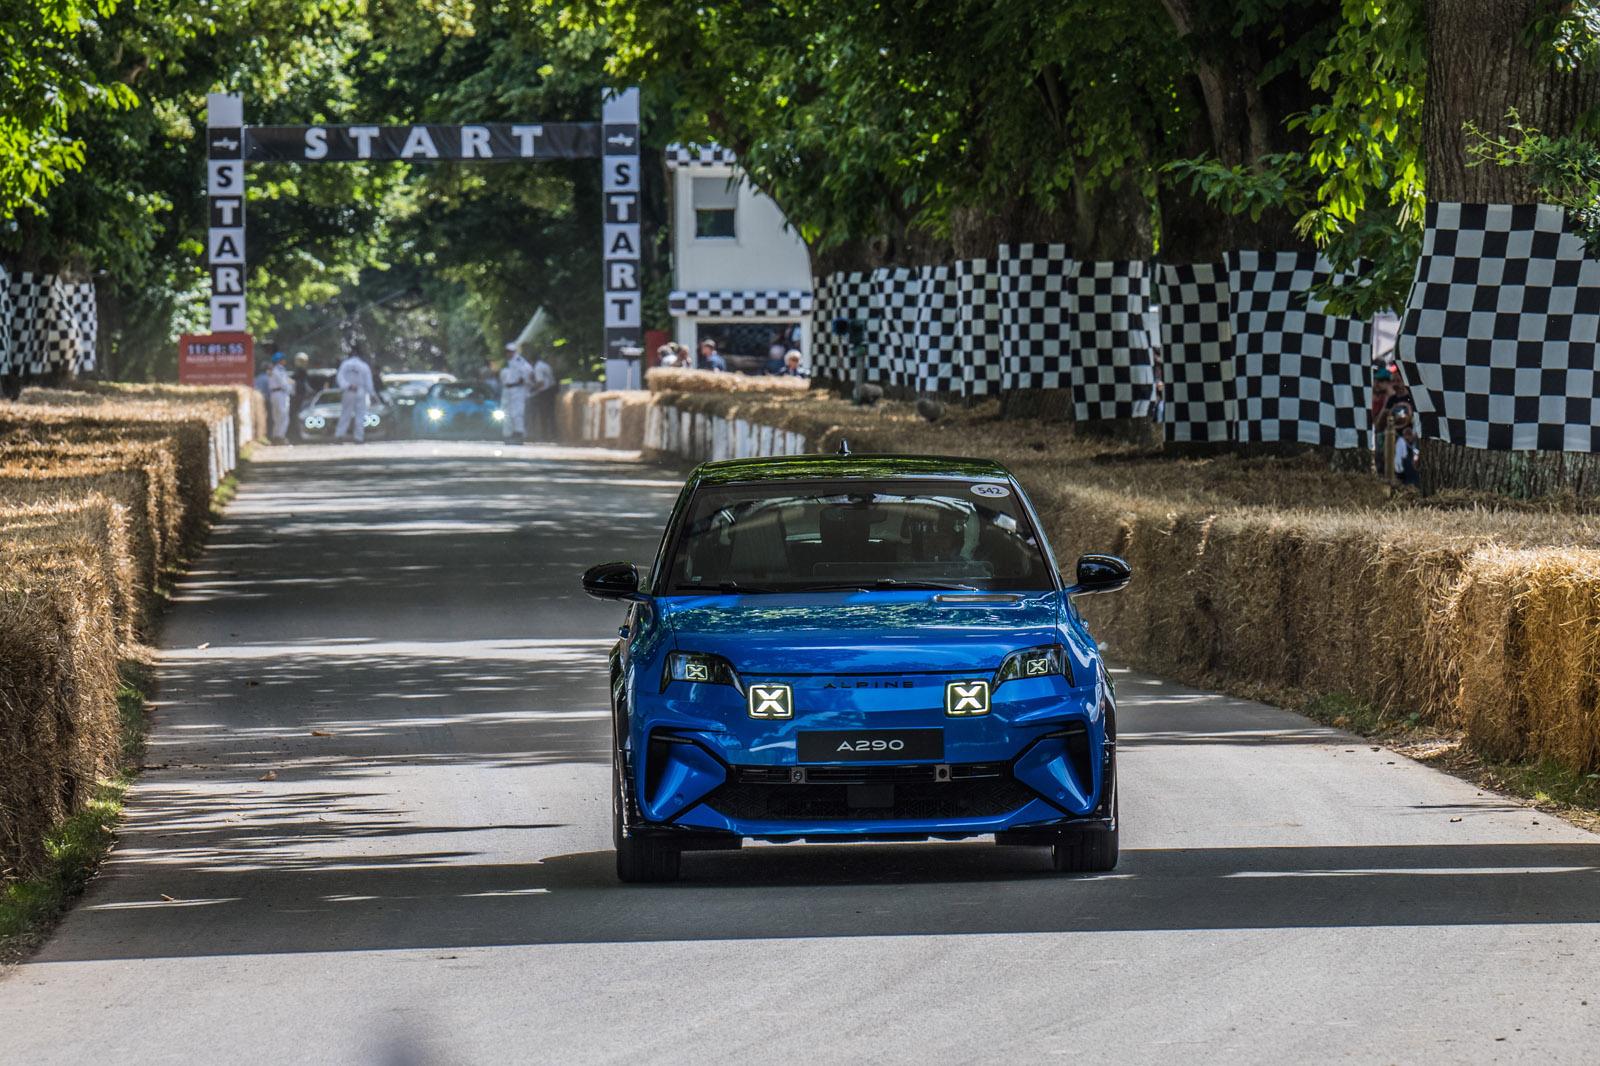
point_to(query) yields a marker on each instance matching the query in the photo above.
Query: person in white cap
(515, 377)
(280, 387)
(355, 385)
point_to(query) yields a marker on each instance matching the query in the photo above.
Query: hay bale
(190, 429)
(676, 379)
(157, 458)
(249, 412)
(94, 528)
(59, 729)
(128, 485)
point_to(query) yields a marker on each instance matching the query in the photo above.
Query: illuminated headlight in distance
(1047, 661)
(435, 414)
(371, 421)
(315, 422)
(700, 669)
(497, 416)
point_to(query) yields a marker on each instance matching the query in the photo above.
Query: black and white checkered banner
(1300, 374)
(979, 327)
(50, 324)
(1111, 349)
(1197, 351)
(1033, 316)
(739, 303)
(699, 155)
(6, 366)
(1501, 328)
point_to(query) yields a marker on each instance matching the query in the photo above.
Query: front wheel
(640, 859)
(1088, 851)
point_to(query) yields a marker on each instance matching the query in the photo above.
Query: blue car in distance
(842, 648)
(457, 410)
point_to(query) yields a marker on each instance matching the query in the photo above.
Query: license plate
(871, 745)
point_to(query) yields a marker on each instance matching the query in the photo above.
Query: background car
(457, 409)
(320, 418)
(405, 389)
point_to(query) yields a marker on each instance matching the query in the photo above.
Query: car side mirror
(612, 581)
(1100, 573)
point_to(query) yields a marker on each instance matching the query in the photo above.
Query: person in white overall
(280, 387)
(515, 377)
(355, 385)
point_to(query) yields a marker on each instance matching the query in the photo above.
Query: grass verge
(31, 906)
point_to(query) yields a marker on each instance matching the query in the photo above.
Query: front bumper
(1001, 777)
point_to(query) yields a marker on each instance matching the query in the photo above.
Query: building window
(715, 201)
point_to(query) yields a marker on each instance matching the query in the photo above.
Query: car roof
(864, 467)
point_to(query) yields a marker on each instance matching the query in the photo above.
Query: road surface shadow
(443, 899)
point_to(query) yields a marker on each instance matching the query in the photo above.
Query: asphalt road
(432, 880)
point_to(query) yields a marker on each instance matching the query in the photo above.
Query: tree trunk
(1482, 64)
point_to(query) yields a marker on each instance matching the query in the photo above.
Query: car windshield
(457, 393)
(805, 536)
(327, 396)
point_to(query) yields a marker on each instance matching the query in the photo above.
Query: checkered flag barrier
(1501, 328)
(1197, 351)
(1299, 372)
(699, 155)
(841, 295)
(938, 365)
(980, 335)
(893, 361)
(30, 298)
(1033, 316)
(740, 303)
(1110, 350)
(76, 300)
(6, 366)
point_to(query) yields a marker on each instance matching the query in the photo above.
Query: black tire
(1088, 851)
(640, 859)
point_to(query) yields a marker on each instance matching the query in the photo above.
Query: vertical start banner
(225, 194)
(620, 190)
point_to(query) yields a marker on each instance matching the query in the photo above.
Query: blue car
(457, 409)
(842, 648)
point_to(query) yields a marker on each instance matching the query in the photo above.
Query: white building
(741, 276)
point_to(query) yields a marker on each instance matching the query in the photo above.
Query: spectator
(263, 385)
(542, 403)
(776, 358)
(1406, 457)
(710, 358)
(489, 377)
(515, 378)
(791, 366)
(667, 355)
(280, 392)
(302, 393)
(1382, 386)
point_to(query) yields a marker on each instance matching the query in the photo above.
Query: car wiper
(891, 583)
(736, 588)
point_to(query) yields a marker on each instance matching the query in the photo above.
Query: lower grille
(908, 793)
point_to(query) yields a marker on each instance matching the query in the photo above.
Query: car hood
(861, 632)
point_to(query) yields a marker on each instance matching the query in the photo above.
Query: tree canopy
(889, 131)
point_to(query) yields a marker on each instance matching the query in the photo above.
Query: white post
(225, 195)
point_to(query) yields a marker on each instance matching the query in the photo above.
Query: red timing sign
(216, 359)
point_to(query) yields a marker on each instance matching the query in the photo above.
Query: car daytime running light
(316, 422)
(1046, 661)
(434, 414)
(498, 416)
(371, 421)
(699, 668)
